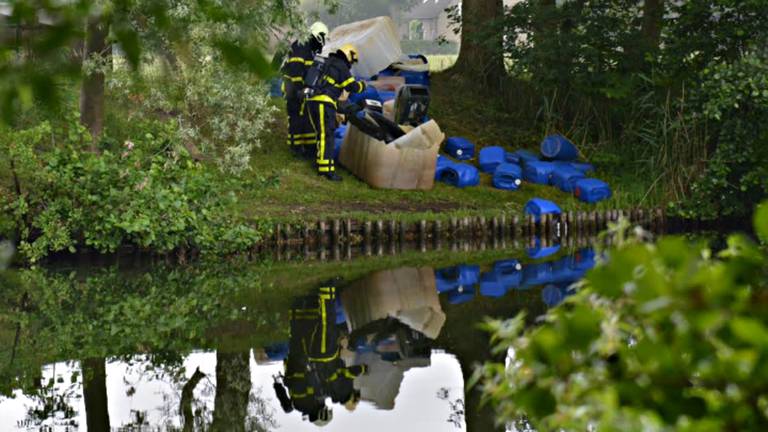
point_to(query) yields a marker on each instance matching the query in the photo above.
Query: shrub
(661, 337)
(149, 194)
(734, 97)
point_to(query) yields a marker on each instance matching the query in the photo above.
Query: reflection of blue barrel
(341, 318)
(584, 260)
(537, 274)
(553, 295)
(490, 158)
(558, 147)
(538, 251)
(509, 273)
(449, 279)
(563, 271)
(538, 207)
(491, 286)
(277, 352)
(507, 177)
(461, 294)
(538, 172)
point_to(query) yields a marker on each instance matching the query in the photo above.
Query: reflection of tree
(53, 403)
(235, 408)
(95, 394)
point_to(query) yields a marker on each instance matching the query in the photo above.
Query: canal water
(372, 344)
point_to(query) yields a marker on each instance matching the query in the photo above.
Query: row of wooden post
(339, 231)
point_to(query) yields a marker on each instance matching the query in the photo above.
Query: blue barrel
(538, 207)
(564, 177)
(521, 157)
(370, 92)
(460, 148)
(508, 177)
(592, 190)
(387, 95)
(538, 172)
(490, 158)
(558, 147)
(584, 167)
(338, 140)
(459, 175)
(415, 78)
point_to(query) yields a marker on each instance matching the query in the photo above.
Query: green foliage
(429, 48)
(643, 87)
(33, 62)
(660, 337)
(148, 194)
(734, 96)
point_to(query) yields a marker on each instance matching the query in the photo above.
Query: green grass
(289, 190)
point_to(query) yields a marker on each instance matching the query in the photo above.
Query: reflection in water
(361, 355)
(95, 394)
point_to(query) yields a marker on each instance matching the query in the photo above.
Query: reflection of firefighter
(313, 369)
(301, 134)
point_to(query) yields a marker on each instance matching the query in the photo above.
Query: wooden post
(335, 232)
(436, 234)
(516, 227)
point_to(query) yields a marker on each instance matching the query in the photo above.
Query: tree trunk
(653, 17)
(481, 59)
(650, 35)
(95, 394)
(92, 90)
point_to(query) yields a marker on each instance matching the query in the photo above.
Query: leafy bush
(734, 97)
(220, 109)
(149, 195)
(661, 337)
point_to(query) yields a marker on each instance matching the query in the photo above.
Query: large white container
(407, 163)
(376, 40)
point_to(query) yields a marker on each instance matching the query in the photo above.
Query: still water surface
(389, 347)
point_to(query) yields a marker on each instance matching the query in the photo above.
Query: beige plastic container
(407, 294)
(376, 40)
(388, 83)
(408, 163)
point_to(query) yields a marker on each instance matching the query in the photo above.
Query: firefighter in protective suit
(301, 135)
(314, 369)
(322, 103)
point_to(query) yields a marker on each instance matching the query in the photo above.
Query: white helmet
(319, 31)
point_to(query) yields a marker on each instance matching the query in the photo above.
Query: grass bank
(289, 190)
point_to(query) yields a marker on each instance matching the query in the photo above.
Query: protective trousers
(301, 134)
(322, 116)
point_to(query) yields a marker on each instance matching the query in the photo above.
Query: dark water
(116, 349)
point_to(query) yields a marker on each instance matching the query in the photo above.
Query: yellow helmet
(350, 52)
